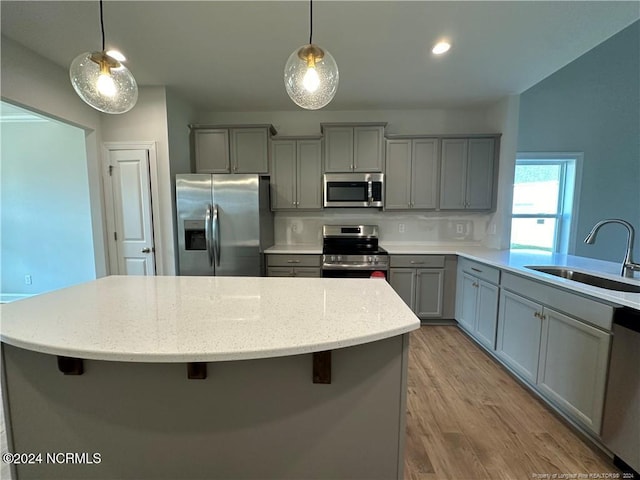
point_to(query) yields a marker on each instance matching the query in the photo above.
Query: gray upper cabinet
(250, 150)
(353, 148)
(232, 149)
(211, 150)
(467, 173)
(411, 181)
(296, 174)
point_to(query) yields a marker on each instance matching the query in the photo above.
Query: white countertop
(514, 261)
(191, 319)
(295, 249)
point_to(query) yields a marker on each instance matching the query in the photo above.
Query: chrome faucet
(628, 266)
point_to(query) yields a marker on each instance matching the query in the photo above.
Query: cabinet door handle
(417, 262)
(476, 269)
(475, 284)
(293, 261)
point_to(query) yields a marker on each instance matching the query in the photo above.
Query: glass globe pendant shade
(103, 82)
(311, 77)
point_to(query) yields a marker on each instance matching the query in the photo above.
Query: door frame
(150, 147)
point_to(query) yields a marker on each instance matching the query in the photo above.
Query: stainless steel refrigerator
(224, 224)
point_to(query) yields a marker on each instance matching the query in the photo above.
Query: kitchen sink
(588, 279)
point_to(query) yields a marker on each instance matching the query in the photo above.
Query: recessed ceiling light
(441, 47)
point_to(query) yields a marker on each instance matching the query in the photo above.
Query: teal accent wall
(592, 105)
(45, 210)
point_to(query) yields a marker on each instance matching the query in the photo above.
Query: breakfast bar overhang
(208, 377)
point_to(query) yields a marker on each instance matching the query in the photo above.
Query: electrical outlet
(27, 279)
(294, 227)
(459, 228)
(492, 229)
(401, 227)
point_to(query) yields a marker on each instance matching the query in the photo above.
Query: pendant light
(102, 81)
(311, 73)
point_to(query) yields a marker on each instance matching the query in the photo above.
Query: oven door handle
(346, 266)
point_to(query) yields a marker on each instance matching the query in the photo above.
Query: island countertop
(199, 319)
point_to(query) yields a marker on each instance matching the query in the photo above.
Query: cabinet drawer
(280, 272)
(480, 270)
(417, 261)
(586, 309)
(293, 260)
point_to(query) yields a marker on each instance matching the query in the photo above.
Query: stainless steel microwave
(354, 190)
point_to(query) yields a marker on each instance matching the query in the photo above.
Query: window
(544, 193)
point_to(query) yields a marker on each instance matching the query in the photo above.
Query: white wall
(147, 122)
(298, 122)
(503, 117)
(179, 115)
(34, 82)
(46, 214)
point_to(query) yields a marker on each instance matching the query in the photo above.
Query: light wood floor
(469, 419)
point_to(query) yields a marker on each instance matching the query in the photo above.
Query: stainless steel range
(352, 251)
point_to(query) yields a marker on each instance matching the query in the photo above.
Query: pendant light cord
(310, 21)
(102, 25)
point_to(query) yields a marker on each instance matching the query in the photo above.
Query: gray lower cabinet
(283, 265)
(559, 344)
(573, 367)
(477, 301)
(411, 181)
(296, 174)
(468, 167)
(425, 282)
(519, 333)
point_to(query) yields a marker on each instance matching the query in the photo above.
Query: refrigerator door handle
(216, 235)
(207, 234)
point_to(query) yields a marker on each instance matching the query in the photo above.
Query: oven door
(354, 273)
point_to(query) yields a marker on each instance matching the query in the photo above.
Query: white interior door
(131, 190)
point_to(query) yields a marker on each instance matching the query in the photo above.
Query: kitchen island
(208, 377)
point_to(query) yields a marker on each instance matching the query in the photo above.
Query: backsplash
(425, 227)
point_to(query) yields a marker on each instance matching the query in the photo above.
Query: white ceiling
(229, 56)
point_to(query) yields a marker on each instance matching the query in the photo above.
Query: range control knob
(375, 260)
(333, 258)
(339, 257)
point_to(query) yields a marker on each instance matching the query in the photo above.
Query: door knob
(146, 250)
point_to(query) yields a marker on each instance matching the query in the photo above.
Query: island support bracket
(70, 365)
(196, 370)
(322, 367)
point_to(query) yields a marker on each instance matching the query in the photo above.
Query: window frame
(570, 163)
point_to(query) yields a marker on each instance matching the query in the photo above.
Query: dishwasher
(621, 423)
